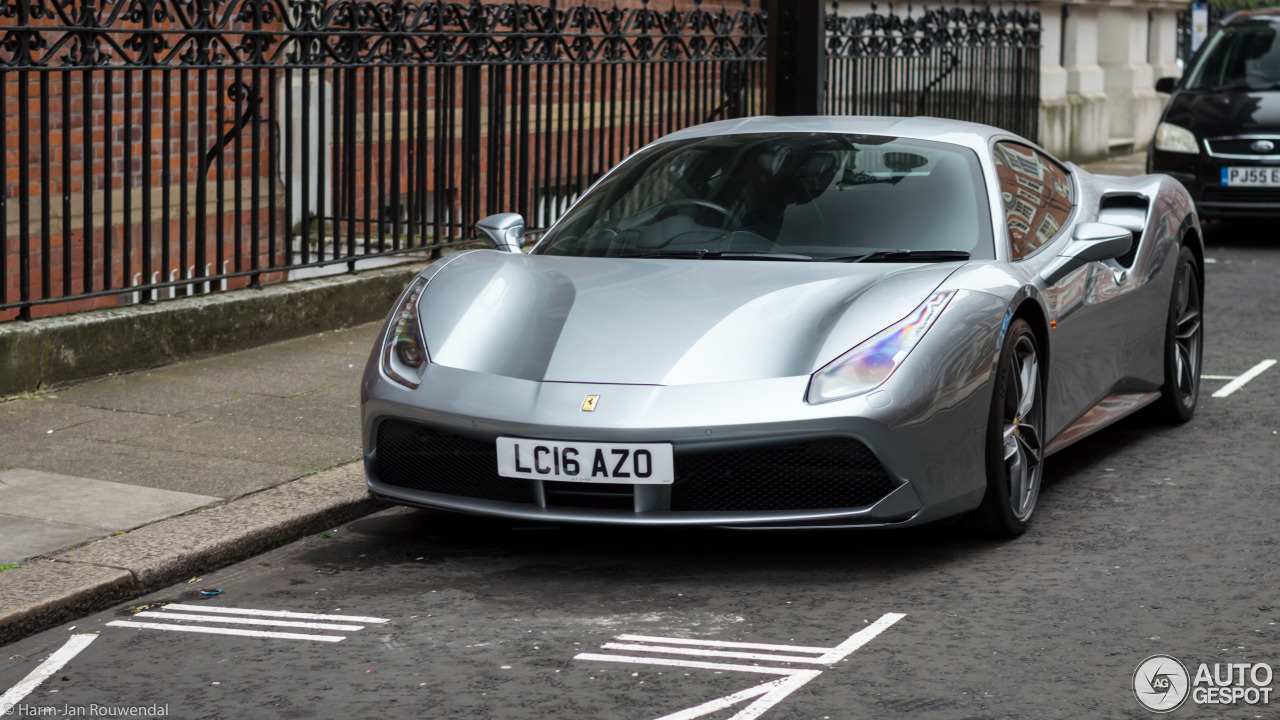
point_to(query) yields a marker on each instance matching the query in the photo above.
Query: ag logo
(1161, 683)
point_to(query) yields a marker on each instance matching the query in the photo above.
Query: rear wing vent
(1127, 211)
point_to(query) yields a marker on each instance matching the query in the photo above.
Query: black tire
(1015, 434)
(1183, 344)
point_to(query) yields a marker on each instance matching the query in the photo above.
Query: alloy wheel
(1023, 429)
(1186, 340)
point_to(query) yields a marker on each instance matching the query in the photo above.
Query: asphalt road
(1148, 540)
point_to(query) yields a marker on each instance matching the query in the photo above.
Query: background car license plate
(630, 463)
(1251, 176)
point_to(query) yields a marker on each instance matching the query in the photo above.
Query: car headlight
(868, 365)
(1173, 138)
(404, 353)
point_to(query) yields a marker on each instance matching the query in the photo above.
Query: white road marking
(1217, 377)
(687, 663)
(43, 671)
(274, 613)
(724, 644)
(772, 693)
(226, 631)
(249, 621)
(862, 637)
(1248, 375)
(768, 694)
(711, 653)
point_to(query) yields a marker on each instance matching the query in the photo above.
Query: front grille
(1241, 195)
(823, 474)
(1243, 146)
(420, 458)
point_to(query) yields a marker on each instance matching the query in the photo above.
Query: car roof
(956, 132)
(1269, 13)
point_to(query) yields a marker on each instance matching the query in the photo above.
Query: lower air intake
(419, 458)
(818, 475)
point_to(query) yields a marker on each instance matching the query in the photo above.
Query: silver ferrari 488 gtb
(792, 322)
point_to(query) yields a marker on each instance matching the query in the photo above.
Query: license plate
(586, 462)
(1251, 177)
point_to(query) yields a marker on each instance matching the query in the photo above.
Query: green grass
(7, 567)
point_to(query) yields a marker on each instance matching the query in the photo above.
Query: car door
(1090, 326)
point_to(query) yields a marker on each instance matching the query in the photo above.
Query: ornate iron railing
(974, 63)
(156, 148)
(168, 147)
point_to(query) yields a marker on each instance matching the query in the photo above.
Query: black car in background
(1220, 133)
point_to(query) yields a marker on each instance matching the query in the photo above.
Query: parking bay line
(44, 670)
(249, 621)
(226, 631)
(275, 613)
(724, 644)
(1240, 381)
(768, 694)
(712, 653)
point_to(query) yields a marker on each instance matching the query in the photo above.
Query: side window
(1037, 196)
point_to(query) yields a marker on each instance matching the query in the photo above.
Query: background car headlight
(404, 353)
(868, 365)
(1172, 138)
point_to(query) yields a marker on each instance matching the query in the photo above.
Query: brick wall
(120, 195)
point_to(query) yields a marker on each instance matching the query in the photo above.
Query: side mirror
(1166, 84)
(505, 231)
(1090, 242)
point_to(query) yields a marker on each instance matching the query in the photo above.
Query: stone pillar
(1055, 109)
(1162, 49)
(1089, 125)
(1129, 79)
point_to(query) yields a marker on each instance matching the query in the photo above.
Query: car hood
(1225, 113)
(659, 321)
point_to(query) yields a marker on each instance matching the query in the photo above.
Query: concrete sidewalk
(116, 486)
(115, 453)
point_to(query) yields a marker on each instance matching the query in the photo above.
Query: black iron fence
(156, 148)
(166, 147)
(965, 63)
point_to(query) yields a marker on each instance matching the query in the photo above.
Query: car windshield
(1244, 56)
(792, 196)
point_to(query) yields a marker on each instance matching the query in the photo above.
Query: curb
(63, 348)
(75, 583)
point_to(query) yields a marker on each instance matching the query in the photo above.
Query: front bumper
(783, 482)
(925, 427)
(1202, 176)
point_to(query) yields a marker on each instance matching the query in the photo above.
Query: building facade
(1098, 68)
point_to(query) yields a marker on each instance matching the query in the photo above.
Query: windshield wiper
(904, 256)
(717, 255)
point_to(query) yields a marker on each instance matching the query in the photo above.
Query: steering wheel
(696, 202)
